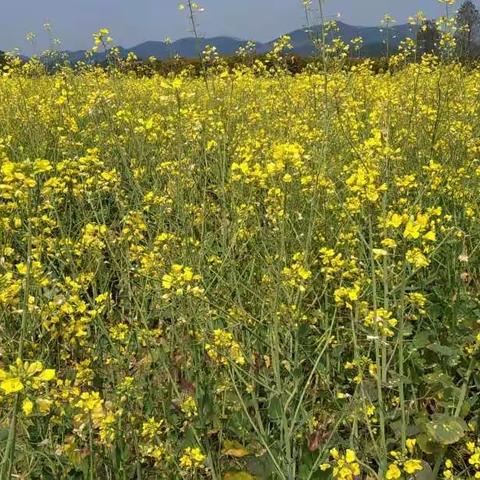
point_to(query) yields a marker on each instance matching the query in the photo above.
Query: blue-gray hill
(374, 43)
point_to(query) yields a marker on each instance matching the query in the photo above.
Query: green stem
(378, 356)
(8, 458)
(458, 410)
(7, 464)
(90, 444)
(401, 359)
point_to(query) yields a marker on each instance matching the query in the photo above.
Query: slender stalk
(9, 454)
(90, 445)
(8, 459)
(378, 356)
(401, 362)
(324, 52)
(254, 426)
(193, 22)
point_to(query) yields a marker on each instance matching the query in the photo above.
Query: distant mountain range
(374, 43)
(374, 38)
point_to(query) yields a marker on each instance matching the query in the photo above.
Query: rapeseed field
(243, 275)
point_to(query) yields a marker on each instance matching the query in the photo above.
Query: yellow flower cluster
(296, 275)
(24, 375)
(192, 458)
(181, 281)
(28, 378)
(345, 466)
(223, 348)
(410, 467)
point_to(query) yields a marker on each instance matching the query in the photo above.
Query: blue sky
(134, 21)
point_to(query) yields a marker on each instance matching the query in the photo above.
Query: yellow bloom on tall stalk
(181, 281)
(346, 466)
(417, 258)
(22, 375)
(11, 385)
(27, 406)
(393, 472)
(192, 458)
(412, 466)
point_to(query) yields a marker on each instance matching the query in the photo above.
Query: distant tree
(428, 37)
(468, 28)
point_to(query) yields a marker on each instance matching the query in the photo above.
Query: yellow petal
(47, 375)
(44, 405)
(350, 456)
(334, 453)
(27, 406)
(12, 385)
(34, 368)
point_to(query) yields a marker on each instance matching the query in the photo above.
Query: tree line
(467, 33)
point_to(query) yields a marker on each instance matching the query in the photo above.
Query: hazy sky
(134, 21)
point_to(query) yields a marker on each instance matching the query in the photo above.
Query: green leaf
(426, 445)
(426, 473)
(438, 378)
(445, 429)
(238, 476)
(3, 434)
(232, 448)
(443, 350)
(275, 409)
(260, 466)
(421, 339)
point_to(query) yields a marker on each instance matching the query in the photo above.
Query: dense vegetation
(246, 274)
(234, 272)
